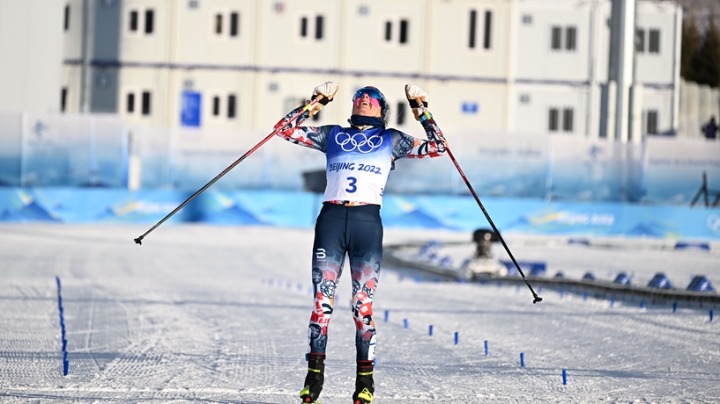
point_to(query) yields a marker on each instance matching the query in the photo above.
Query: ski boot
(364, 384)
(314, 379)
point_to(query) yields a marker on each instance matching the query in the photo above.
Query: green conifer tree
(707, 59)
(690, 44)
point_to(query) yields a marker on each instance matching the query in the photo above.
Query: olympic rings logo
(358, 141)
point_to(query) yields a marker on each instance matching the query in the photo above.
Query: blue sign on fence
(190, 110)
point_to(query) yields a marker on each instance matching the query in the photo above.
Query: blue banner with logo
(299, 209)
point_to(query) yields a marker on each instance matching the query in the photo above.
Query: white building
(501, 66)
(31, 55)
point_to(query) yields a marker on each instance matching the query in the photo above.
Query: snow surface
(219, 314)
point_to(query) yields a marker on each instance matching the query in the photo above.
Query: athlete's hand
(416, 98)
(324, 93)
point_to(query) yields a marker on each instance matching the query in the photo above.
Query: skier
(359, 159)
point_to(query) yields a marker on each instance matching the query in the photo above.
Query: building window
(136, 19)
(149, 21)
(568, 119)
(146, 101)
(570, 38)
(234, 24)
(651, 122)
(472, 28)
(556, 38)
(232, 106)
(488, 30)
(319, 23)
(231, 24)
(215, 105)
(649, 42)
(130, 103)
(403, 30)
(319, 27)
(66, 19)
(133, 21)
(640, 40)
(303, 27)
(553, 119)
(63, 99)
(654, 41)
(218, 24)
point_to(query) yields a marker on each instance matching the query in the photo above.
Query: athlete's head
(369, 101)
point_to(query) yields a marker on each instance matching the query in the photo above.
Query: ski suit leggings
(356, 231)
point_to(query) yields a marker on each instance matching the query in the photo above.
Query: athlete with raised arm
(359, 159)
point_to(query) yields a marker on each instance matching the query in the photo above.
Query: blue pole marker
(674, 307)
(63, 339)
(564, 376)
(66, 364)
(486, 347)
(711, 315)
(457, 337)
(522, 359)
(387, 315)
(405, 323)
(430, 330)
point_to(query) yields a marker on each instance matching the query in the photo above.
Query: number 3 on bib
(351, 185)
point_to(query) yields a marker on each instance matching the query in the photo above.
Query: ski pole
(432, 122)
(278, 127)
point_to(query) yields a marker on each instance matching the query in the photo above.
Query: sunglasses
(376, 97)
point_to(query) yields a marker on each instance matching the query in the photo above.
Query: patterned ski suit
(357, 169)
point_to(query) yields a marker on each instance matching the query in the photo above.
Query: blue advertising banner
(191, 109)
(299, 209)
